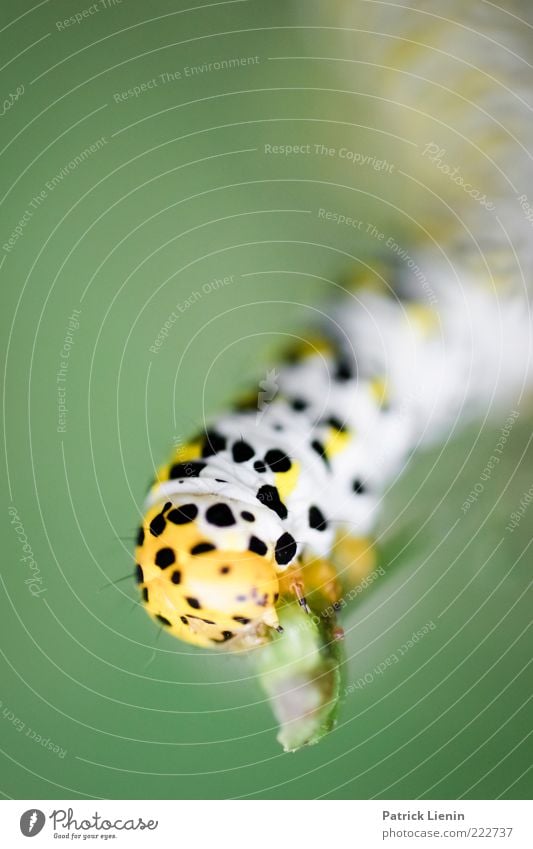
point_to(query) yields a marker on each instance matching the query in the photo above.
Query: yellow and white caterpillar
(242, 508)
(278, 500)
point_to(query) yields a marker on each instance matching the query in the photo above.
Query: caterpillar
(243, 507)
(275, 503)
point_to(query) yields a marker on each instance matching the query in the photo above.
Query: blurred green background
(178, 193)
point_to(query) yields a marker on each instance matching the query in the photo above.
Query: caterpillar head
(202, 577)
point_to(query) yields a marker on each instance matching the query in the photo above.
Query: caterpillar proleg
(266, 517)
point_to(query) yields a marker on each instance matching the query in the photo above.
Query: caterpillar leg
(324, 590)
(319, 583)
(314, 582)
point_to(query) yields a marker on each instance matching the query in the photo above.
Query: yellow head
(205, 587)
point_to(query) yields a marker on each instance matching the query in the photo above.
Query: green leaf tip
(300, 670)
